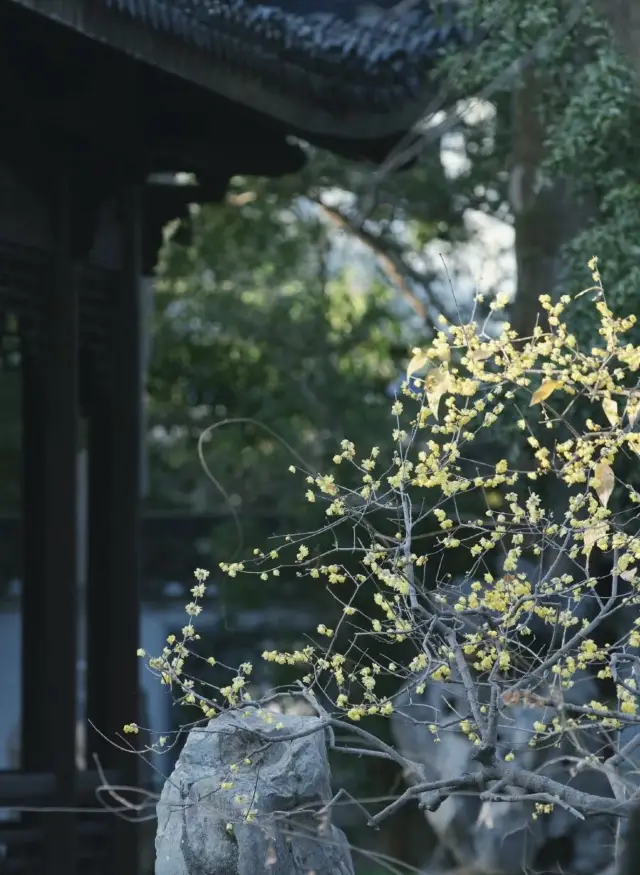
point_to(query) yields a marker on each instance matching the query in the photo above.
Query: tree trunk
(624, 18)
(628, 862)
(546, 215)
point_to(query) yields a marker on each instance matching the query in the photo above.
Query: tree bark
(546, 216)
(624, 19)
(628, 862)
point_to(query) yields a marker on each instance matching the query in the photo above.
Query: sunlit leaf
(547, 388)
(483, 352)
(605, 481)
(610, 409)
(419, 361)
(593, 534)
(633, 407)
(437, 384)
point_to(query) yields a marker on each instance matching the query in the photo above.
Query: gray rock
(501, 838)
(203, 828)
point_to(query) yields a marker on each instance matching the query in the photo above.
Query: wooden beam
(113, 592)
(50, 424)
(33, 788)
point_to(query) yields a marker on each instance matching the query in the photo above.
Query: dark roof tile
(357, 70)
(330, 44)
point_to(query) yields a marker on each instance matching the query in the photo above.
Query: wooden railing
(30, 801)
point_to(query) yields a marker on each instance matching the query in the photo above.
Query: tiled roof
(348, 71)
(337, 52)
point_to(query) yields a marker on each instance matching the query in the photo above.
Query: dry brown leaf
(610, 409)
(546, 389)
(526, 698)
(271, 858)
(606, 482)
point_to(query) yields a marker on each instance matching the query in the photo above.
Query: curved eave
(298, 112)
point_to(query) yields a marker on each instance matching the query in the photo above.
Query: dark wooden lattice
(27, 277)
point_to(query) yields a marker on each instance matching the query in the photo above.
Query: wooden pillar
(50, 424)
(113, 598)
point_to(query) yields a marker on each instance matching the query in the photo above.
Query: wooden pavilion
(97, 96)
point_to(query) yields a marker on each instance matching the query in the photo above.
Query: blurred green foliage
(272, 314)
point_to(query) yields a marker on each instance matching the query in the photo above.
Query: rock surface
(267, 821)
(500, 838)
